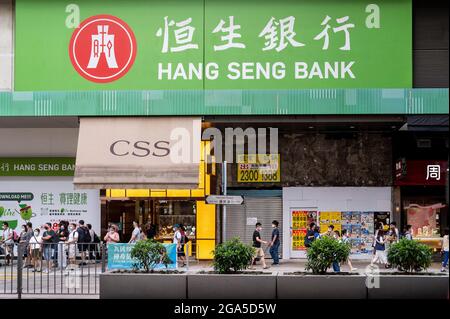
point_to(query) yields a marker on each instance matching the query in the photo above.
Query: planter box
(321, 287)
(411, 287)
(215, 286)
(142, 286)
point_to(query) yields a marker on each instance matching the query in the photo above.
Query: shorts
(72, 251)
(36, 253)
(180, 251)
(9, 249)
(259, 252)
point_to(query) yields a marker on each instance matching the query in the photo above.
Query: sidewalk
(293, 265)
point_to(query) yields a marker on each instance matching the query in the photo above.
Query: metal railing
(51, 268)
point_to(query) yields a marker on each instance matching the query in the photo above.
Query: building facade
(356, 94)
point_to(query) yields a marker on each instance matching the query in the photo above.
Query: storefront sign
(423, 172)
(212, 44)
(129, 152)
(37, 166)
(119, 256)
(258, 168)
(40, 202)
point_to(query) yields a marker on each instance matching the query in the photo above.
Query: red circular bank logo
(102, 49)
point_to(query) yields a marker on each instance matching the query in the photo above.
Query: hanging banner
(212, 44)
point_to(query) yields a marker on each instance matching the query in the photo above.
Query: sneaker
(274, 264)
(252, 268)
(443, 270)
(354, 269)
(267, 267)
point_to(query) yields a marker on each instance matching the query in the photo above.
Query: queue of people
(52, 247)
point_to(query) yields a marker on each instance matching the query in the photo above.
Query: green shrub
(323, 252)
(409, 255)
(232, 256)
(149, 254)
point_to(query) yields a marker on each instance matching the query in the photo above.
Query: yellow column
(206, 230)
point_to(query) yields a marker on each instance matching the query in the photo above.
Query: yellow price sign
(258, 168)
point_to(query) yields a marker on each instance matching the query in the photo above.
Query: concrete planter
(321, 286)
(411, 287)
(240, 286)
(142, 286)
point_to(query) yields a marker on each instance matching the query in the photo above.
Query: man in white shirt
(8, 242)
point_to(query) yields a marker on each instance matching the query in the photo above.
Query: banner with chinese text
(212, 44)
(119, 256)
(42, 201)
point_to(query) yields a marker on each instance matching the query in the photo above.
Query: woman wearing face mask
(23, 240)
(63, 235)
(71, 242)
(35, 249)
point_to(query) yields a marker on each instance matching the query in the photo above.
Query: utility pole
(224, 207)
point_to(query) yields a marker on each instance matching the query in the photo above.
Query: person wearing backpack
(310, 235)
(84, 240)
(8, 238)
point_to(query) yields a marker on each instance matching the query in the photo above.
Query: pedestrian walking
(136, 234)
(93, 247)
(380, 249)
(346, 240)
(445, 251)
(178, 240)
(257, 241)
(336, 236)
(275, 243)
(36, 250)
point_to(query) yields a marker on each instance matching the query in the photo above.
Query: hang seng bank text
(257, 70)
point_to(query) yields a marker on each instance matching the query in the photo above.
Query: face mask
(62, 227)
(70, 228)
(36, 233)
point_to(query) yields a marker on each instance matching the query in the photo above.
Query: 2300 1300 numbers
(255, 176)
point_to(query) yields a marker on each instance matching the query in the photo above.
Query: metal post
(103, 247)
(19, 269)
(224, 207)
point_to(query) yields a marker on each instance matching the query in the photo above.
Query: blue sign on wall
(119, 256)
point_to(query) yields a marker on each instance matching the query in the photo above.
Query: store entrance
(156, 217)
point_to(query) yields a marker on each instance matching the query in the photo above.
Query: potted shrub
(144, 282)
(229, 278)
(412, 259)
(319, 283)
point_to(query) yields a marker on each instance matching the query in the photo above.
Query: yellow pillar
(206, 230)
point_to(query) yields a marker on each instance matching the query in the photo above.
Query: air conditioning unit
(423, 143)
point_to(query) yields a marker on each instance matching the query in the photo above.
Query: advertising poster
(258, 168)
(298, 239)
(382, 217)
(300, 223)
(329, 218)
(47, 201)
(119, 256)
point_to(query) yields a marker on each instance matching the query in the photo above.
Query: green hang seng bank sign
(212, 44)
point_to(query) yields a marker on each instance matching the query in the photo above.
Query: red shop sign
(421, 172)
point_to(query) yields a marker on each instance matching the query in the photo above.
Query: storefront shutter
(263, 209)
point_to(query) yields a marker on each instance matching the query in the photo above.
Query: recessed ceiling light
(352, 126)
(311, 127)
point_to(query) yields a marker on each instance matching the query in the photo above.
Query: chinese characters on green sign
(213, 44)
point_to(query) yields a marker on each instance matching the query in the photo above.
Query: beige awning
(136, 152)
